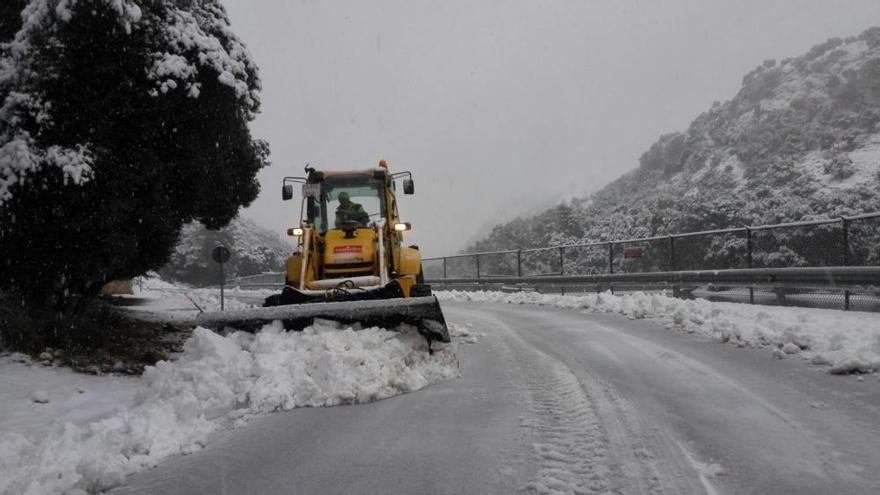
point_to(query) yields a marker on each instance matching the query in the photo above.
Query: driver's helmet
(344, 197)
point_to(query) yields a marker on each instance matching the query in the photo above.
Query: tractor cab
(344, 202)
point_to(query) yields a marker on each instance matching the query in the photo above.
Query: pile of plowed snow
(847, 341)
(216, 383)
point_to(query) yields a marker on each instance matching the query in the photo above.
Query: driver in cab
(349, 211)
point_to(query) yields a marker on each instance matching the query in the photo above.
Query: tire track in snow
(577, 450)
(572, 448)
(583, 438)
(601, 428)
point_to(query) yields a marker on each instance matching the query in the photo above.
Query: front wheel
(420, 290)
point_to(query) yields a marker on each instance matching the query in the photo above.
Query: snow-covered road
(556, 401)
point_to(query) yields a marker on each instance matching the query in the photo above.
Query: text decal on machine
(348, 250)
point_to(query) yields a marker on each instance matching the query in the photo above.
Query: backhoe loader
(351, 264)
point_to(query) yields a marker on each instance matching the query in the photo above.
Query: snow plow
(350, 264)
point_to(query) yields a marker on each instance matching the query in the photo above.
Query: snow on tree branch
(194, 42)
(18, 157)
(206, 33)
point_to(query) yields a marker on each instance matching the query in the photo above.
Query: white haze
(501, 107)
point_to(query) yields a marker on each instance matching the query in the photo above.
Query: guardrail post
(477, 258)
(519, 262)
(749, 262)
(444, 267)
(845, 226)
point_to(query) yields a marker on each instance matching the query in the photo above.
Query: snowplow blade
(422, 312)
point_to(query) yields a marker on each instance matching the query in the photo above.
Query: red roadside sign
(633, 252)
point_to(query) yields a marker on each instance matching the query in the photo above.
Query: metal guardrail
(861, 277)
(840, 282)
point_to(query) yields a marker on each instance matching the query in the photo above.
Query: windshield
(355, 198)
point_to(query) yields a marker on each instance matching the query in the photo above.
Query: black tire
(420, 290)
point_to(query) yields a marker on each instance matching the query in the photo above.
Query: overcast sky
(500, 107)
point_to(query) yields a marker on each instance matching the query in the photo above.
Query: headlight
(400, 227)
(295, 232)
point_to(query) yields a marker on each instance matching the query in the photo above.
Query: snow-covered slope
(799, 140)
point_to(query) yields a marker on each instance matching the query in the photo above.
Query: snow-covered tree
(120, 121)
(254, 250)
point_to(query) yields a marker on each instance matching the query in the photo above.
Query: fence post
(845, 224)
(611, 258)
(444, 267)
(561, 260)
(611, 265)
(519, 262)
(562, 267)
(477, 258)
(748, 247)
(749, 262)
(676, 289)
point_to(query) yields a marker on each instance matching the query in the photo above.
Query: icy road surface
(555, 401)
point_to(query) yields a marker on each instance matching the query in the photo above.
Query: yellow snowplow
(351, 264)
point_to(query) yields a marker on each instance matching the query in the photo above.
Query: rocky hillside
(254, 250)
(800, 140)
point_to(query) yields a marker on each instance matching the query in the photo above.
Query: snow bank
(34, 395)
(218, 382)
(847, 342)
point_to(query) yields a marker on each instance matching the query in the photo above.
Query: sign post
(221, 255)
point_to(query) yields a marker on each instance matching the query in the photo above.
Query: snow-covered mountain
(254, 250)
(800, 139)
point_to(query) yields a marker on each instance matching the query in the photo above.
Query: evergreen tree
(120, 122)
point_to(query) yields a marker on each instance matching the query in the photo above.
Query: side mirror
(286, 192)
(408, 186)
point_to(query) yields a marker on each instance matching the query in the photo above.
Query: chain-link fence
(845, 241)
